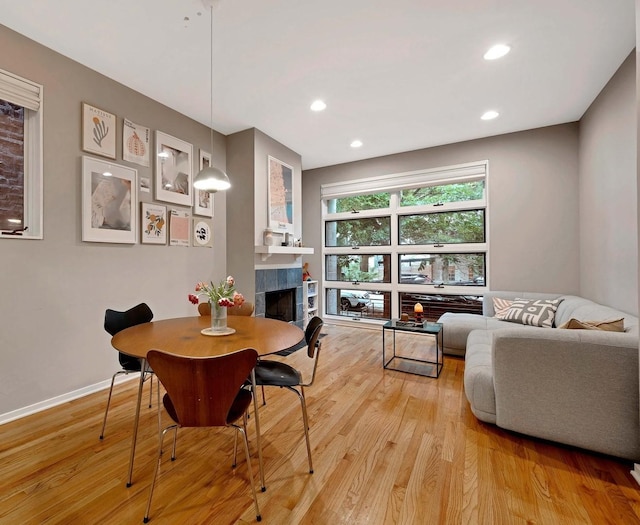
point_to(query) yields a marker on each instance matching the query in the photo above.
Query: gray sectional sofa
(577, 387)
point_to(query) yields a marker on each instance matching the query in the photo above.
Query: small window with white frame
(21, 191)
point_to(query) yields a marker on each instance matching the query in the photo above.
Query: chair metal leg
(106, 411)
(305, 420)
(150, 388)
(246, 452)
(155, 473)
(159, 410)
(235, 442)
(135, 425)
(258, 438)
(175, 441)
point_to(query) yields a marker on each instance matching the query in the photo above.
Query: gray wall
(533, 199)
(247, 154)
(241, 212)
(608, 194)
(55, 291)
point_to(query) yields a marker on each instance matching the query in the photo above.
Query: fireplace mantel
(296, 251)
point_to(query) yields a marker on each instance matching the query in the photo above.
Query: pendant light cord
(211, 107)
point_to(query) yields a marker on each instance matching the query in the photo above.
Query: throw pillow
(537, 312)
(500, 307)
(613, 325)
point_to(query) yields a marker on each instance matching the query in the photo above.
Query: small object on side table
(417, 310)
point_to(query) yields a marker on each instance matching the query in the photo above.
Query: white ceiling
(399, 75)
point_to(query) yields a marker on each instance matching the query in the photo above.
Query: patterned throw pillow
(501, 306)
(614, 325)
(537, 312)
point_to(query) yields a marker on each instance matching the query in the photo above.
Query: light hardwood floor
(388, 447)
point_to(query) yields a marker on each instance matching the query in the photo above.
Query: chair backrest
(116, 321)
(204, 308)
(202, 389)
(312, 334)
(245, 308)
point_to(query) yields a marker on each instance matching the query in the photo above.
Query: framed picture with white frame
(98, 131)
(153, 223)
(203, 200)
(280, 190)
(174, 171)
(109, 202)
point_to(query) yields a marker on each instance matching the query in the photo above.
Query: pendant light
(211, 179)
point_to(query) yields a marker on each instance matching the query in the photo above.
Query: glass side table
(413, 364)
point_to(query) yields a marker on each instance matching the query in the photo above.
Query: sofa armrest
(578, 387)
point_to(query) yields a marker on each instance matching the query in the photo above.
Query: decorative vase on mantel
(218, 317)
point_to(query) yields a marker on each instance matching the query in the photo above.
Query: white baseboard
(59, 400)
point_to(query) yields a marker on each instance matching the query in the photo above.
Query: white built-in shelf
(309, 300)
(296, 251)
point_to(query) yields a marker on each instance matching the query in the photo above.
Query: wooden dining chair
(114, 322)
(204, 308)
(206, 392)
(277, 373)
(245, 308)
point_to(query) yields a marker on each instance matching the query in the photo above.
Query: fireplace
(281, 305)
(278, 280)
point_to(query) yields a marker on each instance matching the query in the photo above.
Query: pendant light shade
(209, 178)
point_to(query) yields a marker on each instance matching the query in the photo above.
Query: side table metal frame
(434, 329)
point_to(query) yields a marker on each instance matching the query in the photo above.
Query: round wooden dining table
(183, 336)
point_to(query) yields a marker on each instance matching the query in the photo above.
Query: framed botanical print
(280, 196)
(153, 223)
(135, 143)
(173, 174)
(203, 203)
(109, 202)
(98, 131)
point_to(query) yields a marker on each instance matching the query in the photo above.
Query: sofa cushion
(501, 307)
(478, 376)
(536, 312)
(614, 325)
(457, 326)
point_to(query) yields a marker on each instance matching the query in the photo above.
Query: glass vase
(218, 318)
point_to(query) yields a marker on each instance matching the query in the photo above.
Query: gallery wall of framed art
(124, 205)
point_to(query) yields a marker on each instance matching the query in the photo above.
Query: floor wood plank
(388, 448)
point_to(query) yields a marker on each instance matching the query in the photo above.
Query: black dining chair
(114, 322)
(277, 373)
(206, 392)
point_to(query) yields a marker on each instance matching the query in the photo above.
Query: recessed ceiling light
(489, 115)
(497, 51)
(356, 144)
(107, 173)
(318, 105)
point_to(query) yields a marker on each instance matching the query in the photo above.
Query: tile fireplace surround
(275, 280)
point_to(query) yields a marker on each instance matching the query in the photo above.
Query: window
(453, 227)
(375, 231)
(20, 157)
(358, 268)
(394, 240)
